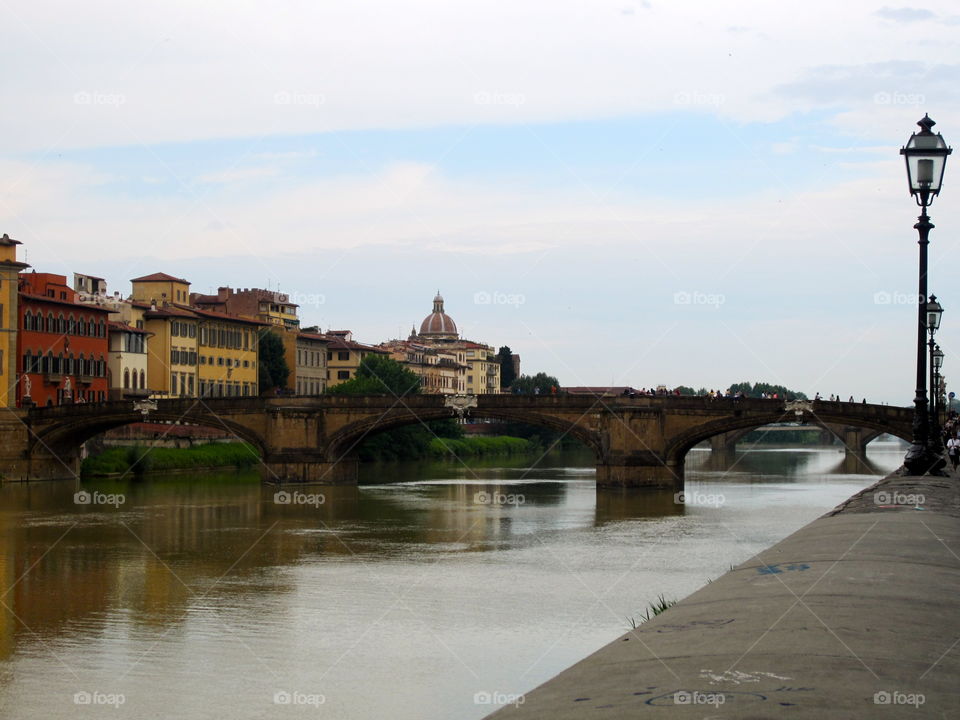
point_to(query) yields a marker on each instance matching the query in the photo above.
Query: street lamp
(925, 155)
(936, 362)
(934, 313)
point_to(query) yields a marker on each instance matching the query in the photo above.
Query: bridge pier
(637, 475)
(342, 472)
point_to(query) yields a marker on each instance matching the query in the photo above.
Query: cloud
(905, 14)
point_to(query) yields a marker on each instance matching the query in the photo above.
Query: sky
(625, 193)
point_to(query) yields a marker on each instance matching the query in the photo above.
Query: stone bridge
(637, 441)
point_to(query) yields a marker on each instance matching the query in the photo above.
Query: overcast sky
(624, 193)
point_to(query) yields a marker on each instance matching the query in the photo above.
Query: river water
(434, 590)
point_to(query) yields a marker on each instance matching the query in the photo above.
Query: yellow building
(483, 369)
(228, 354)
(194, 351)
(171, 350)
(344, 356)
(9, 319)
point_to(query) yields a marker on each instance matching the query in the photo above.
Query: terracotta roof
(160, 277)
(213, 314)
(125, 328)
(313, 336)
(55, 301)
(339, 343)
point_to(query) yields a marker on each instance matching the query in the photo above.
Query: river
(433, 590)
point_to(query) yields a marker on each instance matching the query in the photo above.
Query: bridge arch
(678, 446)
(341, 442)
(61, 430)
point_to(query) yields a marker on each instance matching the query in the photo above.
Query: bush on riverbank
(481, 446)
(139, 459)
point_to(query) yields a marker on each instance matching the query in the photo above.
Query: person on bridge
(953, 451)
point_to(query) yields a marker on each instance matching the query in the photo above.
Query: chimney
(223, 293)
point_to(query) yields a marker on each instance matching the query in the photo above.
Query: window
(173, 383)
(203, 336)
(71, 325)
(174, 356)
(192, 357)
(190, 385)
(193, 330)
(220, 361)
(126, 379)
(28, 320)
(203, 359)
(175, 329)
(343, 355)
(143, 380)
(343, 375)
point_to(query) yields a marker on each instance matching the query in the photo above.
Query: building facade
(10, 270)
(62, 344)
(228, 346)
(483, 369)
(127, 362)
(309, 367)
(344, 356)
(272, 308)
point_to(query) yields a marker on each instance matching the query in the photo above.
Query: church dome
(438, 324)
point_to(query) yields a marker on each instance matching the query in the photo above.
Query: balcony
(53, 378)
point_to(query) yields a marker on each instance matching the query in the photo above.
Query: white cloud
(114, 75)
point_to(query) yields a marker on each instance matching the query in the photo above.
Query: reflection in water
(430, 582)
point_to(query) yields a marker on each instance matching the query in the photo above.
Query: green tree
(379, 375)
(507, 373)
(273, 370)
(531, 384)
(757, 389)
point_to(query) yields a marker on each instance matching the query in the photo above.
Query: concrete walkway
(856, 615)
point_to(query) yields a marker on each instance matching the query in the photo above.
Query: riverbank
(482, 446)
(140, 459)
(851, 614)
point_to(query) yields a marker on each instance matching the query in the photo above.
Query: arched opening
(92, 443)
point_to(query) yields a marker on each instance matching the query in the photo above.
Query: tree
(530, 385)
(756, 390)
(273, 370)
(507, 373)
(379, 375)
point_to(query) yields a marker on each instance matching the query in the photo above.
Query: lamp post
(934, 312)
(936, 362)
(925, 155)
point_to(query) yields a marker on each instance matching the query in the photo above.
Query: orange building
(62, 345)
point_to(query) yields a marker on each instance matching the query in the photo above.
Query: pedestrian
(953, 450)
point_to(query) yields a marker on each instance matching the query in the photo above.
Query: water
(201, 597)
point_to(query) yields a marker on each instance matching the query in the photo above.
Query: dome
(438, 324)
